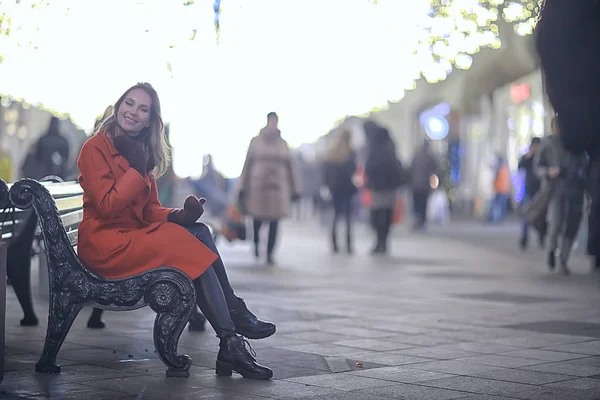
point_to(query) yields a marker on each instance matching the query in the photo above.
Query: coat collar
(109, 144)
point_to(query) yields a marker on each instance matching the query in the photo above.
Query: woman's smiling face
(133, 114)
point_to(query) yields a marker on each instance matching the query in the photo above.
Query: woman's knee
(200, 230)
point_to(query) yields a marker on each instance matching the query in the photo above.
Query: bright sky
(311, 61)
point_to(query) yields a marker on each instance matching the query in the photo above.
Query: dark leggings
(342, 208)
(420, 198)
(273, 225)
(214, 293)
(381, 219)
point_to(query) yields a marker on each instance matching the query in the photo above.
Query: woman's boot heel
(223, 369)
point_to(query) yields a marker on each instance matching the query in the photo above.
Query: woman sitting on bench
(126, 231)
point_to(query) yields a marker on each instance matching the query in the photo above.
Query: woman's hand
(133, 152)
(193, 208)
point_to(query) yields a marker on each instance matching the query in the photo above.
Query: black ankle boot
(233, 356)
(95, 321)
(29, 320)
(248, 325)
(551, 260)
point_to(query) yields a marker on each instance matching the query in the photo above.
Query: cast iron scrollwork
(3, 192)
(168, 291)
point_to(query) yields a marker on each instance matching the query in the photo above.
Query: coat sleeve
(154, 211)
(245, 175)
(108, 195)
(541, 162)
(294, 174)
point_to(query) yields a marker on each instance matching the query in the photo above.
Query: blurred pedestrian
(423, 166)
(567, 37)
(532, 186)
(384, 176)
(565, 171)
(339, 167)
(269, 183)
(52, 151)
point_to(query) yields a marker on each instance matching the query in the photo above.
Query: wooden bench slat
(69, 203)
(72, 218)
(73, 235)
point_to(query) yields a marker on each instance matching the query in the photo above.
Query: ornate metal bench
(167, 291)
(3, 199)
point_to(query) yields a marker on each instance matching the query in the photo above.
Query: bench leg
(172, 315)
(62, 313)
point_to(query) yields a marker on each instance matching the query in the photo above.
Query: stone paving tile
(343, 381)
(487, 397)
(63, 391)
(590, 348)
(281, 389)
(538, 340)
(479, 385)
(401, 374)
(413, 392)
(455, 367)
(573, 328)
(573, 368)
(579, 384)
(78, 373)
(511, 298)
(28, 361)
(484, 348)
(361, 332)
(323, 349)
(593, 361)
(392, 358)
(544, 355)
(344, 396)
(373, 344)
(420, 340)
(316, 336)
(438, 353)
(501, 361)
(546, 393)
(522, 376)
(283, 370)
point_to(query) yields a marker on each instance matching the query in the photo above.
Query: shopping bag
(233, 226)
(399, 211)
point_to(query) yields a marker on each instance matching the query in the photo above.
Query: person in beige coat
(269, 182)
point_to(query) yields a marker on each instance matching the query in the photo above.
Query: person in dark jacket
(52, 151)
(422, 168)
(384, 175)
(567, 37)
(532, 185)
(564, 170)
(338, 170)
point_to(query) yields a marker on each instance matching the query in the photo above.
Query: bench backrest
(69, 201)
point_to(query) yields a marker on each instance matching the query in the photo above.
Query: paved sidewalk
(437, 319)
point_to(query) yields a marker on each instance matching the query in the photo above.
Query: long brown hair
(340, 148)
(109, 110)
(152, 138)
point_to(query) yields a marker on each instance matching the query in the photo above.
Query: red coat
(124, 229)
